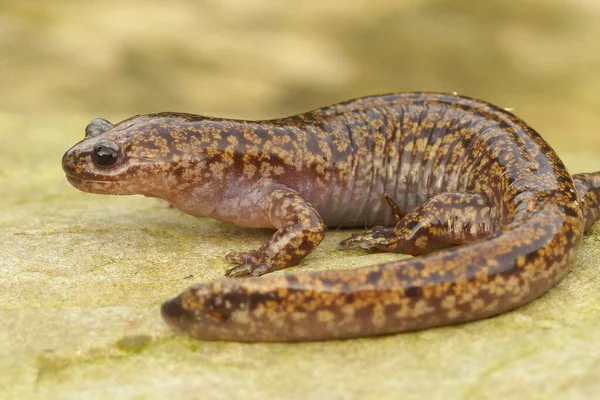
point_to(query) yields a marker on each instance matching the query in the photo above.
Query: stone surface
(82, 277)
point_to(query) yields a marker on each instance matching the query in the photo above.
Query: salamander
(484, 204)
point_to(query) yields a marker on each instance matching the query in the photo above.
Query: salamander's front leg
(300, 229)
(445, 220)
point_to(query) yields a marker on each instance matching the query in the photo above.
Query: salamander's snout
(67, 161)
(98, 164)
(75, 161)
(92, 156)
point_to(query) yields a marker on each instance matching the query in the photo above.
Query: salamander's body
(454, 171)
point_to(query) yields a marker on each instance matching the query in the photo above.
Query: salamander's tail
(588, 187)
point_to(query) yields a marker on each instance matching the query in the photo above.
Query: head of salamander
(157, 155)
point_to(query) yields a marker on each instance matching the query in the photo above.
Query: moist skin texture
(477, 194)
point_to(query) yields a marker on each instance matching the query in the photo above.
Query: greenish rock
(82, 278)
(134, 343)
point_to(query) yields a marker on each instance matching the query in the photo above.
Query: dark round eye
(105, 154)
(97, 127)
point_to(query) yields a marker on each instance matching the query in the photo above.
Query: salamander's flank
(478, 195)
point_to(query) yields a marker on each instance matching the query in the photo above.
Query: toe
(239, 271)
(237, 257)
(260, 269)
(246, 269)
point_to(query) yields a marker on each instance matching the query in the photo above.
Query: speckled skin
(455, 172)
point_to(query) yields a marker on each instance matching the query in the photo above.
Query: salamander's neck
(215, 165)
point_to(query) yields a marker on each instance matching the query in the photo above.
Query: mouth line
(78, 179)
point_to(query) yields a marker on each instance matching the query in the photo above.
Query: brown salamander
(460, 179)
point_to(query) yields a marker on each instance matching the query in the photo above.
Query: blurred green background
(269, 58)
(82, 276)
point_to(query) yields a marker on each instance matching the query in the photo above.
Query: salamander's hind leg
(588, 187)
(445, 220)
(300, 229)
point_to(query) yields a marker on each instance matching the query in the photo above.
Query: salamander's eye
(96, 127)
(105, 154)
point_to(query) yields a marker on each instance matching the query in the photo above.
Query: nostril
(65, 161)
(70, 160)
